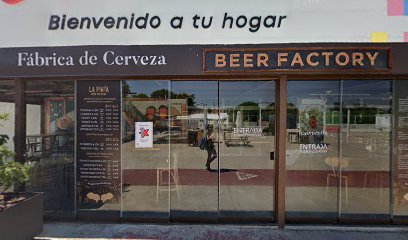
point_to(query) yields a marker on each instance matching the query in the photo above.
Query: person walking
(211, 151)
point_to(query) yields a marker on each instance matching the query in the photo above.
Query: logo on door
(144, 132)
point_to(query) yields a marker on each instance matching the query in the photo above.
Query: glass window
(50, 138)
(366, 148)
(147, 178)
(7, 111)
(246, 150)
(338, 152)
(194, 109)
(312, 146)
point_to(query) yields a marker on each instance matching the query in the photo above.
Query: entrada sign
(311, 59)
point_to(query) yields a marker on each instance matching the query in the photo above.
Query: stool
(335, 162)
(172, 182)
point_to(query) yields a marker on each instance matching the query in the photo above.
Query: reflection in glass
(366, 140)
(50, 143)
(312, 150)
(194, 108)
(247, 129)
(338, 152)
(147, 178)
(7, 107)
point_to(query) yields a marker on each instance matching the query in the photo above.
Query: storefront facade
(305, 129)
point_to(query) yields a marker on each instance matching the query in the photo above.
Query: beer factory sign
(293, 59)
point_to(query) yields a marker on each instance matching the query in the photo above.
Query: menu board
(401, 142)
(98, 143)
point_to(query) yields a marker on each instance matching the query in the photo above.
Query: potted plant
(21, 213)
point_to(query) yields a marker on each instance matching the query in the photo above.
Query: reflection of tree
(126, 92)
(292, 109)
(362, 115)
(190, 98)
(268, 112)
(161, 94)
(125, 88)
(164, 94)
(292, 113)
(359, 114)
(140, 95)
(250, 111)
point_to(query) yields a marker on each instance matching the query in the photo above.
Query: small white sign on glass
(143, 135)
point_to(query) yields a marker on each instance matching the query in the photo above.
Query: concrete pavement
(78, 230)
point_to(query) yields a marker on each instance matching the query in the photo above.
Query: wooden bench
(230, 137)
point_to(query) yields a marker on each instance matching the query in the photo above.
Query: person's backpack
(203, 144)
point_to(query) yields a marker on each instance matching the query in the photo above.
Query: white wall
(8, 126)
(33, 121)
(27, 23)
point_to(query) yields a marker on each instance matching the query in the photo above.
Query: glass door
(246, 150)
(193, 109)
(312, 155)
(229, 178)
(145, 169)
(366, 145)
(338, 150)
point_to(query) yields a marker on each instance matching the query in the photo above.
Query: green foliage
(125, 88)
(140, 95)
(165, 94)
(3, 139)
(270, 128)
(162, 94)
(5, 153)
(250, 111)
(361, 115)
(190, 98)
(11, 173)
(3, 117)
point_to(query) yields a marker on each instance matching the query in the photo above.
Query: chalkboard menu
(401, 142)
(98, 143)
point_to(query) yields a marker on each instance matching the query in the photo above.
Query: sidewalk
(82, 231)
